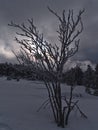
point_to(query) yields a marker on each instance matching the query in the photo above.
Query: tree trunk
(67, 117)
(59, 103)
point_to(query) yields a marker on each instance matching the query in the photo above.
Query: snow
(19, 102)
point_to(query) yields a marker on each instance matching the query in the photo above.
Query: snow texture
(19, 102)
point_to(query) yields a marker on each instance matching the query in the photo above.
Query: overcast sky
(20, 10)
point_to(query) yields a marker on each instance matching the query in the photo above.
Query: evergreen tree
(96, 77)
(78, 75)
(89, 78)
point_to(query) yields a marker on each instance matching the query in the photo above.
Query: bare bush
(48, 60)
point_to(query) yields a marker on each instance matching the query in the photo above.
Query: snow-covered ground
(19, 102)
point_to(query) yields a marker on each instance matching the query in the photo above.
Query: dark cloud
(21, 10)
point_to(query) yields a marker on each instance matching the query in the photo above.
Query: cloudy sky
(20, 10)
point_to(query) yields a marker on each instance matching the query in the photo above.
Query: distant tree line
(87, 78)
(16, 71)
(74, 76)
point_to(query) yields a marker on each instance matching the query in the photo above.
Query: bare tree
(48, 60)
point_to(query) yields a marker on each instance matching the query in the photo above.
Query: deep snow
(19, 102)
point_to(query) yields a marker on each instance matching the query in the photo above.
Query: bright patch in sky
(6, 52)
